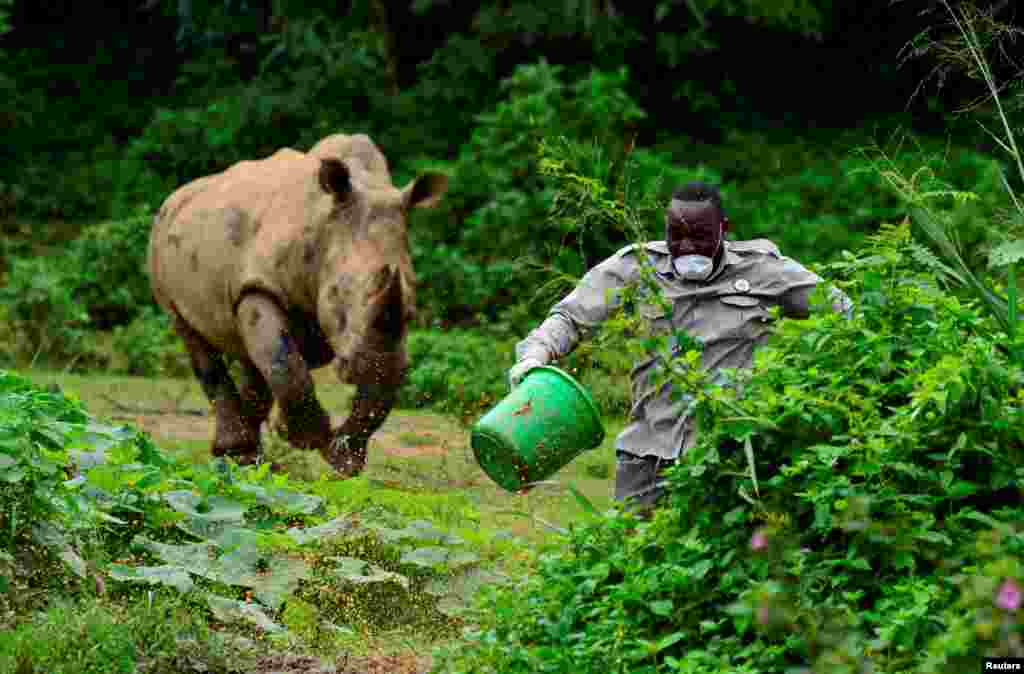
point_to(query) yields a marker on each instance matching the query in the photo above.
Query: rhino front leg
(233, 436)
(257, 398)
(377, 380)
(277, 359)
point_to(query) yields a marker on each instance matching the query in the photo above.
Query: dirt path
(402, 435)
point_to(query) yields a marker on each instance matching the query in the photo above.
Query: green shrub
(43, 317)
(836, 492)
(498, 202)
(148, 347)
(97, 281)
(457, 371)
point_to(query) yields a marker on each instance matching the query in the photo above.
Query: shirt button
(741, 285)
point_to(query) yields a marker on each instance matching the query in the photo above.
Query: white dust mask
(693, 267)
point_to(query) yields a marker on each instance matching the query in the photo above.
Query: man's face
(693, 228)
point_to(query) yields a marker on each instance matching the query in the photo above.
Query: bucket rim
(584, 393)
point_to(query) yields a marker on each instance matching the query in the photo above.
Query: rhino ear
(426, 190)
(334, 178)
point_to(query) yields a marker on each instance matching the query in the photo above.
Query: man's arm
(796, 303)
(581, 311)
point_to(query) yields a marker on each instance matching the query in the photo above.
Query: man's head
(694, 221)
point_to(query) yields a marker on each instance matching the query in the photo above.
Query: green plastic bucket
(539, 427)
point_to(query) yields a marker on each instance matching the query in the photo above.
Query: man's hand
(519, 370)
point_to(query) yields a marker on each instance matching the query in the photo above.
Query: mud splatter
(174, 239)
(194, 260)
(234, 222)
(254, 317)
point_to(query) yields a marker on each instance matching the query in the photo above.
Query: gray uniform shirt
(728, 313)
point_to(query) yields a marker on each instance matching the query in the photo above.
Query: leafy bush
(497, 201)
(458, 371)
(202, 538)
(97, 281)
(43, 317)
(878, 449)
(148, 347)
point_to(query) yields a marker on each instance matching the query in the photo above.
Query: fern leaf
(929, 261)
(1006, 254)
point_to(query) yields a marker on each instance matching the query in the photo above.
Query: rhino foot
(243, 454)
(346, 454)
(305, 426)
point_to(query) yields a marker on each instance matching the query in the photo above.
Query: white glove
(519, 370)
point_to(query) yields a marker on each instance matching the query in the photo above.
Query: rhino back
(233, 230)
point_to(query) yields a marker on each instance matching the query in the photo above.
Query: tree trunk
(380, 23)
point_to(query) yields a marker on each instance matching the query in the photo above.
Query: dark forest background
(788, 104)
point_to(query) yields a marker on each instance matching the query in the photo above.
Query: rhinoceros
(286, 264)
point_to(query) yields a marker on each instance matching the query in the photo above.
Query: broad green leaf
(961, 489)
(46, 533)
(171, 576)
(671, 639)
(345, 566)
(361, 572)
(427, 557)
(281, 579)
(388, 534)
(339, 526)
(198, 558)
(215, 508)
(287, 500)
(13, 475)
(1008, 253)
(227, 610)
(662, 608)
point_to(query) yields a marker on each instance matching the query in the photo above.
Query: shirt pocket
(743, 316)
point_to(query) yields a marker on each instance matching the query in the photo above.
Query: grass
(415, 452)
(420, 467)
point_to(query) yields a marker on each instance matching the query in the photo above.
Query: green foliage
(148, 347)
(875, 448)
(456, 371)
(93, 636)
(498, 200)
(98, 280)
(253, 549)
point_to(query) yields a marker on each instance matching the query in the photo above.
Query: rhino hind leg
(277, 358)
(233, 436)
